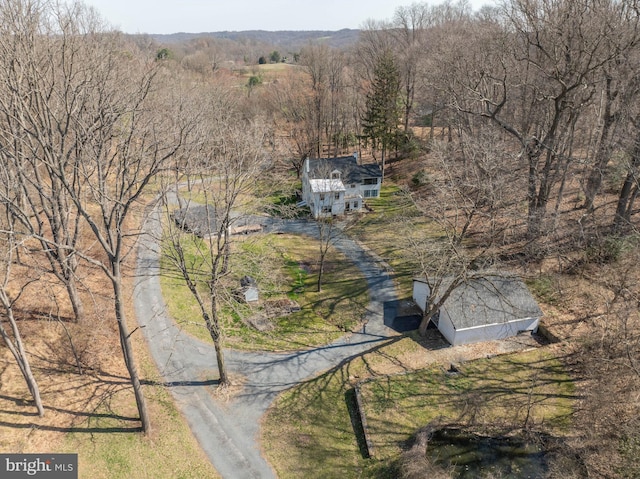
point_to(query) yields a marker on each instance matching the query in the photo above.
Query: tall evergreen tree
(382, 116)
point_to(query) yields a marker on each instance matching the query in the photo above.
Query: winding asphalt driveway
(228, 430)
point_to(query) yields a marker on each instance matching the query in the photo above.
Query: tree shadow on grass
(84, 419)
(72, 429)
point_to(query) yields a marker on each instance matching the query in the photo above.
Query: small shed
(248, 289)
(495, 306)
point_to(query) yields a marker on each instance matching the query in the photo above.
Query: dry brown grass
(94, 413)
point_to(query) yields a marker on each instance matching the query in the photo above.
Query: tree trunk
(226, 249)
(594, 180)
(127, 348)
(222, 369)
(432, 127)
(424, 323)
(537, 195)
(320, 272)
(211, 321)
(17, 349)
(534, 220)
(76, 302)
(213, 326)
(628, 192)
(431, 312)
(628, 195)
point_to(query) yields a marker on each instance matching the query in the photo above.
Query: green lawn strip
(501, 393)
(308, 431)
(386, 229)
(106, 450)
(284, 267)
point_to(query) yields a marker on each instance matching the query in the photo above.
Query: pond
(472, 456)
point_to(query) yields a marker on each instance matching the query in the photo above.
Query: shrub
(420, 178)
(408, 144)
(546, 289)
(605, 250)
(630, 451)
(425, 120)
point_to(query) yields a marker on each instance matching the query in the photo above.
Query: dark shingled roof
(198, 219)
(347, 165)
(493, 299)
(247, 281)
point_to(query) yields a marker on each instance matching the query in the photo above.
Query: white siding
(445, 326)
(420, 294)
(474, 334)
(370, 190)
(493, 331)
(327, 197)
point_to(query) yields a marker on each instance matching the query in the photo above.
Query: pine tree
(382, 116)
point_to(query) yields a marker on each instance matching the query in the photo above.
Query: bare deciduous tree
(84, 109)
(409, 31)
(533, 80)
(38, 113)
(12, 337)
(223, 167)
(469, 210)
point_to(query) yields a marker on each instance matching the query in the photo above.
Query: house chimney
(355, 155)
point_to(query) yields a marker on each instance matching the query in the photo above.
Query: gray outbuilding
(490, 307)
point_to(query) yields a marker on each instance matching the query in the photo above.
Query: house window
(337, 196)
(326, 209)
(370, 181)
(335, 175)
(321, 196)
(355, 205)
(370, 193)
(352, 185)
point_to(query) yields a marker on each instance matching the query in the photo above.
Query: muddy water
(472, 456)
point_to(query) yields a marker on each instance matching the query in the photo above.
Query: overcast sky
(195, 16)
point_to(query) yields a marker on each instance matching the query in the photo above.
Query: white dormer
(336, 174)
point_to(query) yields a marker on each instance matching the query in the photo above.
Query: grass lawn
(388, 229)
(268, 70)
(284, 266)
(308, 432)
(529, 389)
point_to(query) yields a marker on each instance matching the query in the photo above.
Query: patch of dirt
(268, 310)
(436, 350)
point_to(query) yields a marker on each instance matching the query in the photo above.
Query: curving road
(228, 430)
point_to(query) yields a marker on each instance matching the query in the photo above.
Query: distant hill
(287, 40)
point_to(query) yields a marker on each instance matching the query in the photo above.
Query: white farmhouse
(482, 309)
(334, 186)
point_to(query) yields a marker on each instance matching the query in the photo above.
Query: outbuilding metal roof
(492, 299)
